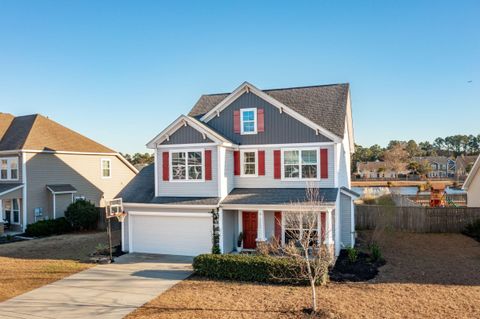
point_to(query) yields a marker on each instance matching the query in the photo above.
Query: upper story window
(9, 168)
(249, 163)
(187, 165)
(106, 168)
(248, 121)
(300, 164)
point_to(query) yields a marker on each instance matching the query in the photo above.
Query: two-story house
(229, 172)
(441, 166)
(44, 166)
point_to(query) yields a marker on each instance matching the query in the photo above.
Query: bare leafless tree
(305, 244)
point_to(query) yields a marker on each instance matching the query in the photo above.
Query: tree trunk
(314, 296)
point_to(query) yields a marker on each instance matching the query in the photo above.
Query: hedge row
(254, 268)
(49, 227)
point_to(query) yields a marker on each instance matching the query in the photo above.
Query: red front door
(249, 230)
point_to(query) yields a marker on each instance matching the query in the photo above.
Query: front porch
(244, 229)
(11, 208)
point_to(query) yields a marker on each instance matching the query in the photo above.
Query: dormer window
(248, 118)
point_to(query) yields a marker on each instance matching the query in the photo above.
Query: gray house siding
(280, 128)
(186, 135)
(346, 220)
(185, 188)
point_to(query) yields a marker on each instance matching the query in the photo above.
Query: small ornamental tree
(306, 245)
(82, 215)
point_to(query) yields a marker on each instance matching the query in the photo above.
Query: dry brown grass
(427, 276)
(31, 264)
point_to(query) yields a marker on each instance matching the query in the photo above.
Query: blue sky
(121, 71)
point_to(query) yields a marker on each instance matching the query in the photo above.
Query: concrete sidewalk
(105, 291)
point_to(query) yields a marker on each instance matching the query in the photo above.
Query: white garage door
(187, 234)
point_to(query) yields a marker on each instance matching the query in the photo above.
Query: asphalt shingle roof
(141, 189)
(277, 196)
(326, 105)
(36, 132)
(61, 188)
(8, 186)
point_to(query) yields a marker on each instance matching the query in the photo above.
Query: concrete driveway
(105, 291)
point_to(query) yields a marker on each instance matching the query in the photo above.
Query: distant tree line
(403, 151)
(139, 158)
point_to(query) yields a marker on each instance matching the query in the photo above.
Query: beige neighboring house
(464, 164)
(472, 185)
(379, 169)
(45, 166)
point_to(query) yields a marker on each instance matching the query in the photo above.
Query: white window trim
(110, 168)
(186, 180)
(12, 211)
(9, 168)
(299, 178)
(254, 120)
(242, 167)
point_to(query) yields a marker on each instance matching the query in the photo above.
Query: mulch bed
(362, 269)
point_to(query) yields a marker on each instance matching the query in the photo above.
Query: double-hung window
(106, 168)
(9, 168)
(300, 164)
(301, 225)
(187, 165)
(249, 163)
(248, 119)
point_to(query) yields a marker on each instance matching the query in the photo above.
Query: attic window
(248, 119)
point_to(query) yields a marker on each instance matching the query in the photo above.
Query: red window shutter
(236, 121)
(261, 163)
(236, 163)
(323, 163)
(323, 221)
(165, 164)
(278, 226)
(277, 165)
(260, 120)
(208, 165)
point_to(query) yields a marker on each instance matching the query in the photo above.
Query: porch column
(261, 226)
(54, 206)
(220, 226)
(328, 228)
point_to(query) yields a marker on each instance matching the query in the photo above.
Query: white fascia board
(349, 124)
(247, 87)
(184, 120)
(11, 190)
(292, 145)
(472, 174)
(284, 208)
(167, 206)
(171, 214)
(344, 192)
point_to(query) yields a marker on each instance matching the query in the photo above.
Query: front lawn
(426, 276)
(31, 264)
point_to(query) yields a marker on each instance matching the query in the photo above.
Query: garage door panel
(174, 235)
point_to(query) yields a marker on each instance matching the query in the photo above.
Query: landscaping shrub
(49, 227)
(375, 252)
(352, 253)
(249, 268)
(82, 215)
(473, 230)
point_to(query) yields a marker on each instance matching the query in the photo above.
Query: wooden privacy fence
(415, 219)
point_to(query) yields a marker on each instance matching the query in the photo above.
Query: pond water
(410, 190)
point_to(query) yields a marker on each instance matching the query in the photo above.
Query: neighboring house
(441, 166)
(472, 185)
(237, 164)
(44, 166)
(379, 169)
(464, 164)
